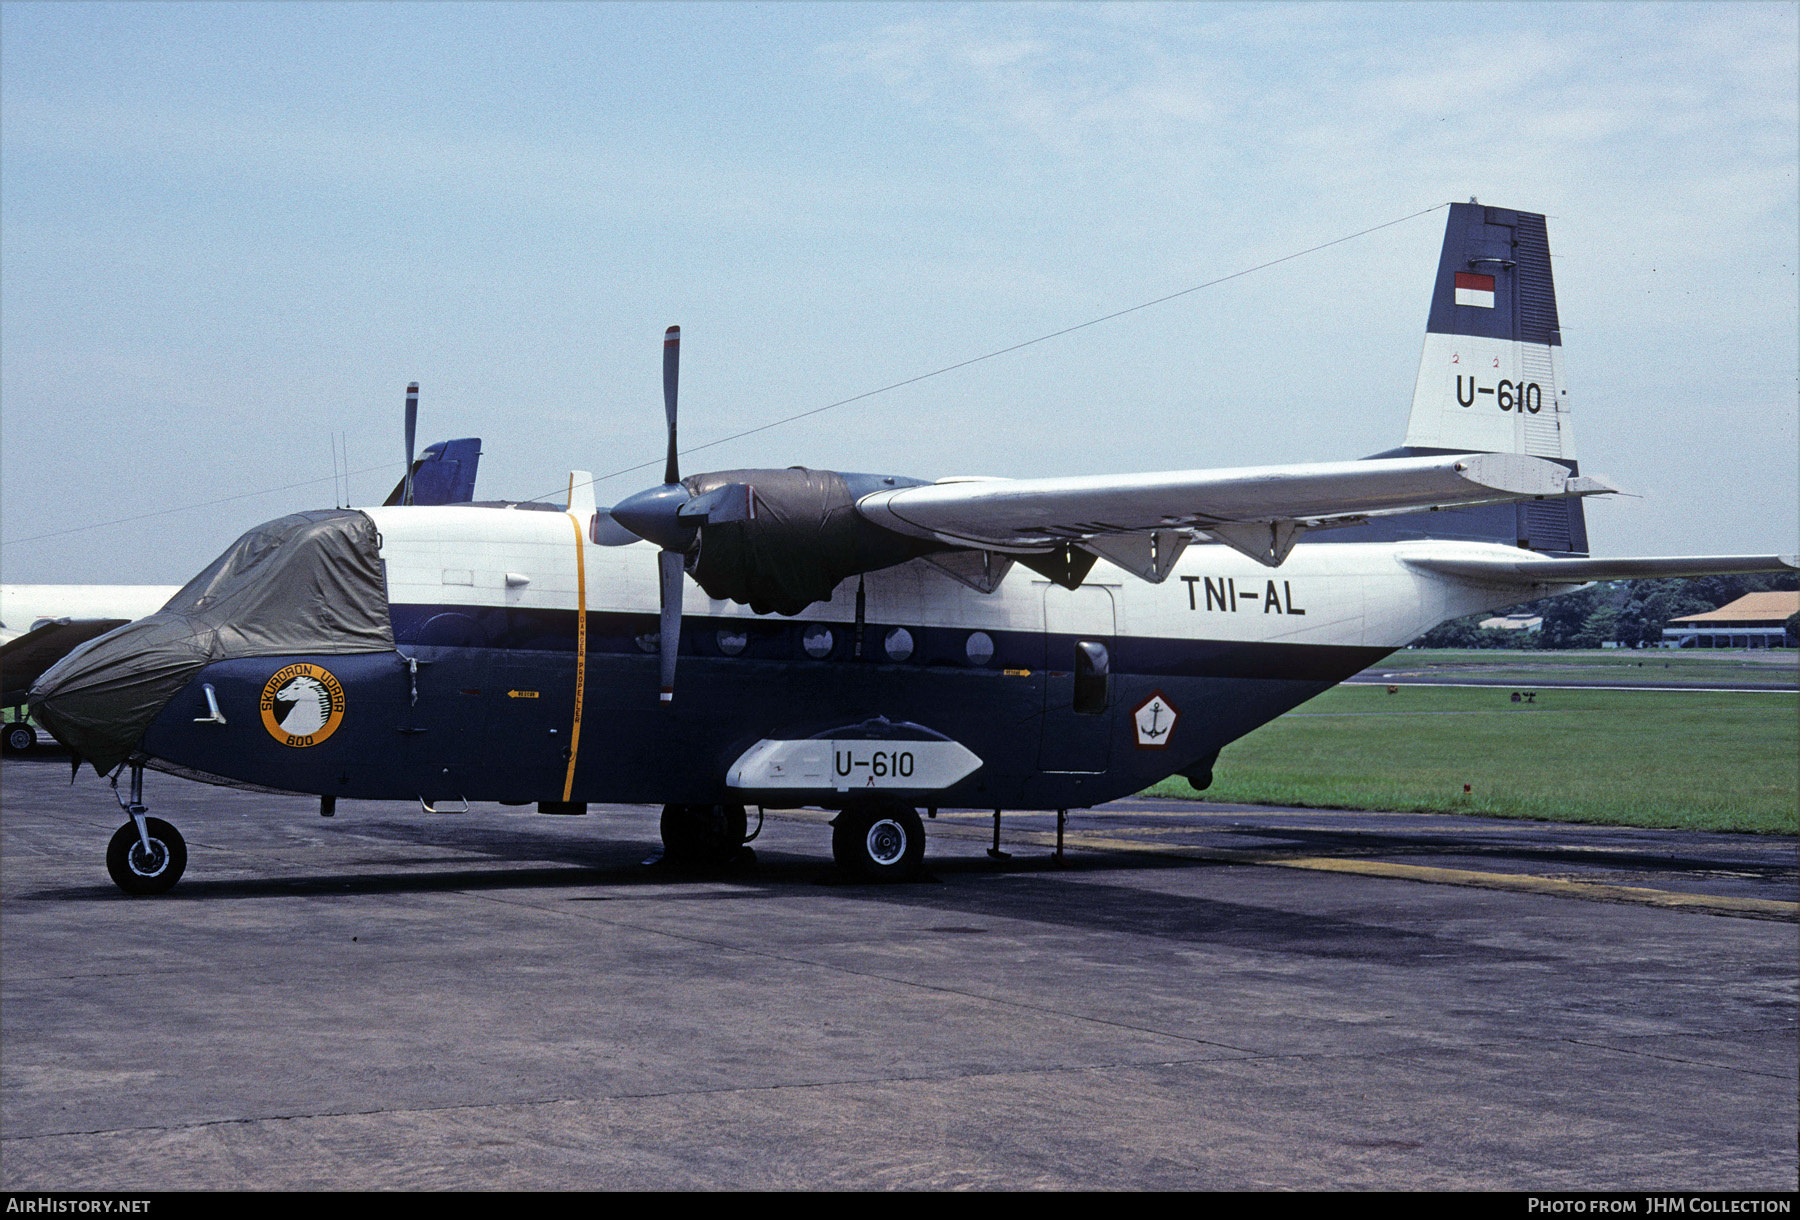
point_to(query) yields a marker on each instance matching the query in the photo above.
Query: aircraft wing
(1530, 569)
(1259, 510)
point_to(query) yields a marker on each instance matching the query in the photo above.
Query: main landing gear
(146, 855)
(706, 836)
(879, 842)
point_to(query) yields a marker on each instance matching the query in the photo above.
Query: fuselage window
(980, 648)
(817, 642)
(898, 643)
(732, 641)
(1092, 667)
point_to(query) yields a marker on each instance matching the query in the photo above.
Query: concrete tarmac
(1198, 997)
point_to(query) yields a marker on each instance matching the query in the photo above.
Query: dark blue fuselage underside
(489, 713)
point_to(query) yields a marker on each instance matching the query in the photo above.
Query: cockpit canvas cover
(306, 583)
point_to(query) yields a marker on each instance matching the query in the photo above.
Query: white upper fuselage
(1340, 594)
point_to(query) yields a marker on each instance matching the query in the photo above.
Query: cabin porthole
(733, 641)
(817, 642)
(898, 644)
(979, 648)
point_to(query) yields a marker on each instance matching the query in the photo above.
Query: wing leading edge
(1259, 510)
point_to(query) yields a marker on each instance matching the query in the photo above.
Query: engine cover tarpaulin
(797, 537)
(308, 583)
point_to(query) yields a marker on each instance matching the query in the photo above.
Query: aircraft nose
(653, 515)
(305, 584)
(99, 700)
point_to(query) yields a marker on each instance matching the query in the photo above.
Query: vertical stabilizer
(444, 474)
(1490, 377)
(1491, 381)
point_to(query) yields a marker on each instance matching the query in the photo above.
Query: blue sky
(228, 233)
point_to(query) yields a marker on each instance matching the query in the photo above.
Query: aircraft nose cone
(99, 699)
(653, 516)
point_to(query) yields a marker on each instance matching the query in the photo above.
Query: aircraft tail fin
(1491, 380)
(443, 474)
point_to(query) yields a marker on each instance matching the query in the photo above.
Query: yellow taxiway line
(1526, 883)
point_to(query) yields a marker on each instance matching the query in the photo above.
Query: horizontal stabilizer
(1026, 516)
(1496, 565)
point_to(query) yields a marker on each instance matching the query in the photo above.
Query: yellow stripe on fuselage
(580, 649)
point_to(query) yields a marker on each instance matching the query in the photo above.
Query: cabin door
(1078, 686)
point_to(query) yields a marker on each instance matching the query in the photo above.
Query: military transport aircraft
(868, 643)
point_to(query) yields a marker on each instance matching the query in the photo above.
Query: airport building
(1514, 622)
(1755, 620)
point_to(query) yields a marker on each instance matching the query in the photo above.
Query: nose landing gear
(149, 861)
(146, 855)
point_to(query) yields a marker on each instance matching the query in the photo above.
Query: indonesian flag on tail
(1472, 289)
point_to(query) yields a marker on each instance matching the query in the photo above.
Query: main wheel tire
(703, 834)
(879, 843)
(19, 738)
(139, 872)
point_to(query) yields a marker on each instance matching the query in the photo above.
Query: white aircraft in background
(41, 624)
(27, 608)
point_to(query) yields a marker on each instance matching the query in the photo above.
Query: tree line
(1631, 613)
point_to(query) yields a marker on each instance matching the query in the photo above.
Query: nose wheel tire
(882, 843)
(19, 738)
(153, 871)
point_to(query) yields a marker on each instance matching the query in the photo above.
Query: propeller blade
(668, 564)
(656, 516)
(412, 427)
(671, 374)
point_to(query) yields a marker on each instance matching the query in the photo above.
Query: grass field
(1694, 760)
